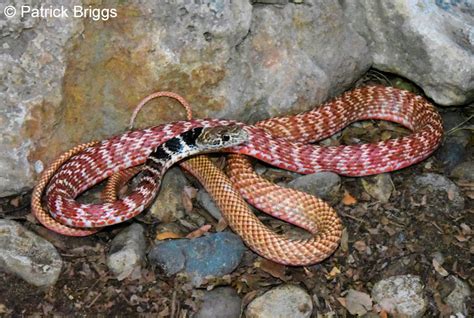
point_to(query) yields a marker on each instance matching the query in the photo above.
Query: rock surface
(33, 61)
(222, 302)
(282, 301)
(436, 186)
(325, 185)
(215, 254)
(207, 203)
(28, 255)
(127, 251)
(464, 171)
(401, 295)
(428, 42)
(379, 187)
(168, 206)
(458, 296)
(454, 148)
(241, 61)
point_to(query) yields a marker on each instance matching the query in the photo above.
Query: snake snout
(223, 136)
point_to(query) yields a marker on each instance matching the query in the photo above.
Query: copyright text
(43, 12)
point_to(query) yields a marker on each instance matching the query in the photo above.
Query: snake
(284, 141)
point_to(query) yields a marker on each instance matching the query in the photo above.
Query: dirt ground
(380, 240)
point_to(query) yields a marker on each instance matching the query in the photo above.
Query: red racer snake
(280, 141)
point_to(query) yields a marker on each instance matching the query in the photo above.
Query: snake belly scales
(281, 141)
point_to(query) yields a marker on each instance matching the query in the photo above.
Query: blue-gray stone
(215, 254)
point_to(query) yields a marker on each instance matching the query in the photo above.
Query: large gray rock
(28, 255)
(33, 57)
(227, 58)
(295, 57)
(429, 42)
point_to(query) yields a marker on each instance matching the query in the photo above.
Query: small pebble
(282, 301)
(215, 254)
(401, 295)
(221, 302)
(28, 255)
(127, 251)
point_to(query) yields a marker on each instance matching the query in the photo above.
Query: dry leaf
(334, 272)
(187, 202)
(439, 269)
(15, 202)
(360, 246)
(308, 273)
(167, 235)
(200, 231)
(191, 192)
(466, 230)
(348, 199)
(274, 269)
(345, 240)
(461, 238)
(444, 309)
(389, 230)
(3, 309)
(356, 302)
(221, 225)
(386, 135)
(451, 194)
(379, 187)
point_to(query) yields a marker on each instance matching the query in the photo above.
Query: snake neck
(170, 152)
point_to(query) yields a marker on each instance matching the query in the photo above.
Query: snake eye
(225, 138)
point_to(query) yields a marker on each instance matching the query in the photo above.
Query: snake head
(222, 137)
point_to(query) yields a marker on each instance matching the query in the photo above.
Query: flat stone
(401, 295)
(168, 206)
(127, 251)
(379, 187)
(221, 302)
(459, 296)
(215, 254)
(454, 148)
(434, 185)
(28, 255)
(464, 171)
(325, 185)
(282, 301)
(207, 203)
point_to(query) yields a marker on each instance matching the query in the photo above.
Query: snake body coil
(281, 141)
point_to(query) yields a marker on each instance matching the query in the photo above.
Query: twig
(452, 130)
(353, 217)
